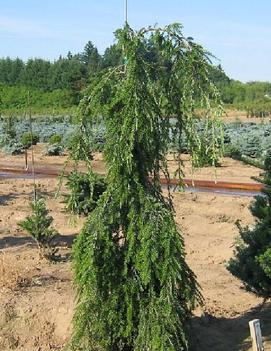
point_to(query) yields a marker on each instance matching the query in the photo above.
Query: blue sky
(238, 32)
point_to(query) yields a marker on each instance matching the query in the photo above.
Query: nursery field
(242, 136)
(135, 192)
(37, 297)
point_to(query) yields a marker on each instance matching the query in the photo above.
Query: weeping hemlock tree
(135, 290)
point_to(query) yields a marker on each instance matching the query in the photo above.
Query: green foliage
(252, 161)
(54, 150)
(28, 139)
(253, 97)
(9, 127)
(91, 58)
(250, 140)
(60, 83)
(112, 57)
(223, 83)
(79, 145)
(232, 151)
(38, 225)
(252, 256)
(134, 288)
(260, 108)
(55, 139)
(15, 98)
(36, 74)
(252, 146)
(264, 261)
(8, 141)
(10, 70)
(209, 154)
(57, 84)
(12, 147)
(70, 75)
(84, 192)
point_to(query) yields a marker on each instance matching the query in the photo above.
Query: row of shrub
(240, 139)
(249, 139)
(249, 142)
(59, 132)
(258, 108)
(11, 146)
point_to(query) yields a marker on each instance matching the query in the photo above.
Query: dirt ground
(230, 170)
(37, 297)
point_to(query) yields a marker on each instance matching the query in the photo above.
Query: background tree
(36, 74)
(135, 290)
(68, 74)
(69, 55)
(10, 70)
(91, 58)
(112, 56)
(252, 257)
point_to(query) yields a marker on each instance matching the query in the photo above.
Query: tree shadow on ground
(15, 241)
(5, 199)
(64, 240)
(209, 333)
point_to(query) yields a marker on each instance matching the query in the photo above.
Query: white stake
(256, 335)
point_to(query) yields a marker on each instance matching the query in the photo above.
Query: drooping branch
(135, 290)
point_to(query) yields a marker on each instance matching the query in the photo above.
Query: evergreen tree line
(67, 77)
(71, 72)
(54, 84)
(254, 97)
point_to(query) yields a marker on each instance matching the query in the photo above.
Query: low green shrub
(38, 225)
(12, 147)
(55, 139)
(54, 150)
(256, 162)
(28, 139)
(232, 151)
(4, 140)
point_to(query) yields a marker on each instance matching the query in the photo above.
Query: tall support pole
(126, 11)
(32, 149)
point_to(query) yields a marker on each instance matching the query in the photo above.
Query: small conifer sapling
(38, 225)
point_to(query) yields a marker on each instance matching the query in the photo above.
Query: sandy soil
(230, 170)
(37, 297)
